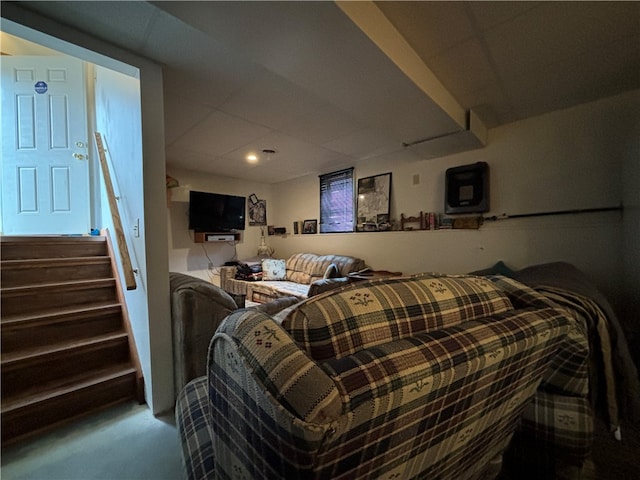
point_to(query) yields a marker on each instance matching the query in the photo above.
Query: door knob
(80, 144)
(79, 156)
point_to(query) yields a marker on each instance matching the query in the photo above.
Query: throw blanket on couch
(548, 443)
(616, 380)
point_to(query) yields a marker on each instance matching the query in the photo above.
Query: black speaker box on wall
(467, 189)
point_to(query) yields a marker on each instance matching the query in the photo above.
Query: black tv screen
(214, 212)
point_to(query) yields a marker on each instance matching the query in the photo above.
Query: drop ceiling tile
(284, 146)
(122, 23)
(310, 161)
(180, 116)
(469, 56)
(429, 27)
(554, 32)
(553, 89)
(270, 100)
(291, 154)
(487, 15)
(361, 143)
(197, 88)
(321, 125)
(191, 160)
(220, 133)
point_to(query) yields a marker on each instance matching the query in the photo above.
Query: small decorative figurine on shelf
(264, 250)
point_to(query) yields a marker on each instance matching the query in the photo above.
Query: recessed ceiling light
(252, 158)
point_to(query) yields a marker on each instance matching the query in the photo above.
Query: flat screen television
(214, 212)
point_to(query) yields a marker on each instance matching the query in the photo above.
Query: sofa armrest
(194, 423)
(197, 308)
(252, 338)
(227, 273)
(326, 284)
(277, 305)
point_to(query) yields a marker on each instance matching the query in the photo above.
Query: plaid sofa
(413, 377)
(305, 277)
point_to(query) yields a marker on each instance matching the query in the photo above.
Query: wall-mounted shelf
(208, 237)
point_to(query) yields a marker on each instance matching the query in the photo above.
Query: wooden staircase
(67, 349)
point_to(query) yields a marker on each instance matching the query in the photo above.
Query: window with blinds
(336, 202)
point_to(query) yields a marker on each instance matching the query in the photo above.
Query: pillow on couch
(273, 269)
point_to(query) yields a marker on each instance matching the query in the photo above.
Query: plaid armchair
(423, 376)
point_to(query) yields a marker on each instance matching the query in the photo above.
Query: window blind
(336, 201)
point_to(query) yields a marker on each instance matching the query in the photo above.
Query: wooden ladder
(67, 348)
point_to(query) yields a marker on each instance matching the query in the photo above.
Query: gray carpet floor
(125, 442)
(128, 443)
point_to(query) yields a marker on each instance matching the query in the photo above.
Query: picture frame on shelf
(310, 226)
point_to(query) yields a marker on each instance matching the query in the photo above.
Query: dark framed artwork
(374, 203)
(310, 226)
(258, 213)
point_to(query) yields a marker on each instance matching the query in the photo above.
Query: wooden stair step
(15, 273)
(20, 371)
(52, 351)
(69, 313)
(16, 300)
(13, 248)
(54, 326)
(59, 387)
(56, 405)
(58, 286)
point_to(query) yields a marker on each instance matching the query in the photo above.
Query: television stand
(207, 237)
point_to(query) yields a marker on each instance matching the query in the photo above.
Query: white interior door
(45, 172)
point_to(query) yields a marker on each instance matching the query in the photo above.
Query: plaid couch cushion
(365, 314)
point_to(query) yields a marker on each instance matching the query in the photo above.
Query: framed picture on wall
(374, 203)
(258, 213)
(310, 226)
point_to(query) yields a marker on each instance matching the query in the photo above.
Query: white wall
(117, 111)
(193, 258)
(570, 159)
